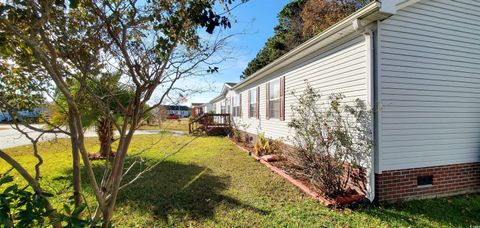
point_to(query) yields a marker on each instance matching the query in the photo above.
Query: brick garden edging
(299, 184)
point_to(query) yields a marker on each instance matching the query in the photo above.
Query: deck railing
(209, 121)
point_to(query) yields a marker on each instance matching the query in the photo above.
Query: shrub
(236, 130)
(331, 140)
(264, 146)
(247, 139)
(261, 145)
(22, 207)
(236, 134)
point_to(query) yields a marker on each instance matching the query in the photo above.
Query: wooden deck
(211, 124)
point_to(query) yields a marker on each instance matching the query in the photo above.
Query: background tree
(318, 15)
(159, 115)
(299, 21)
(152, 43)
(287, 35)
(92, 112)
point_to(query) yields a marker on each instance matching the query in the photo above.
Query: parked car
(172, 116)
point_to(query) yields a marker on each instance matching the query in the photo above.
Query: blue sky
(253, 24)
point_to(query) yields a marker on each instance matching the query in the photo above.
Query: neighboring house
(181, 111)
(208, 107)
(197, 109)
(6, 117)
(417, 63)
(201, 108)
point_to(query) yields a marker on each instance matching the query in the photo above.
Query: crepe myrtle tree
(333, 141)
(153, 44)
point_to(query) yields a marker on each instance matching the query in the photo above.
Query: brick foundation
(447, 180)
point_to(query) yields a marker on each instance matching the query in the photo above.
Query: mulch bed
(295, 176)
(98, 156)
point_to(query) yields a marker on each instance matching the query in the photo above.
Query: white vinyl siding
(429, 85)
(338, 68)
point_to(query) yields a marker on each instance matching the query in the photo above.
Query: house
(207, 107)
(197, 109)
(177, 111)
(223, 102)
(34, 114)
(201, 108)
(416, 63)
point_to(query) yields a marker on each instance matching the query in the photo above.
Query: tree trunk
(105, 136)
(77, 180)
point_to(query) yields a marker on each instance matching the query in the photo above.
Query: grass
(169, 125)
(212, 183)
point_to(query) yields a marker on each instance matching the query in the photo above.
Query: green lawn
(169, 125)
(212, 183)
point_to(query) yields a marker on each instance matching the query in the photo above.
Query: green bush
(331, 139)
(22, 207)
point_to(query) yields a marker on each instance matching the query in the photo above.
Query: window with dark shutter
(258, 102)
(274, 100)
(248, 103)
(282, 98)
(236, 105)
(240, 111)
(252, 103)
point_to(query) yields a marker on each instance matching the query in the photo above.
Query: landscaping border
(297, 183)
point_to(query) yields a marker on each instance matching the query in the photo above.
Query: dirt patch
(98, 156)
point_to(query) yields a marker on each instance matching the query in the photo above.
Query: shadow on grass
(176, 191)
(459, 211)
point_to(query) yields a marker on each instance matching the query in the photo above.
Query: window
(228, 104)
(252, 108)
(274, 99)
(236, 106)
(223, 107)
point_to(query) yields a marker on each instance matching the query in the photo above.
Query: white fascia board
(330, 35)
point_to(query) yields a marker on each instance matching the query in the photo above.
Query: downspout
(369, 35)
